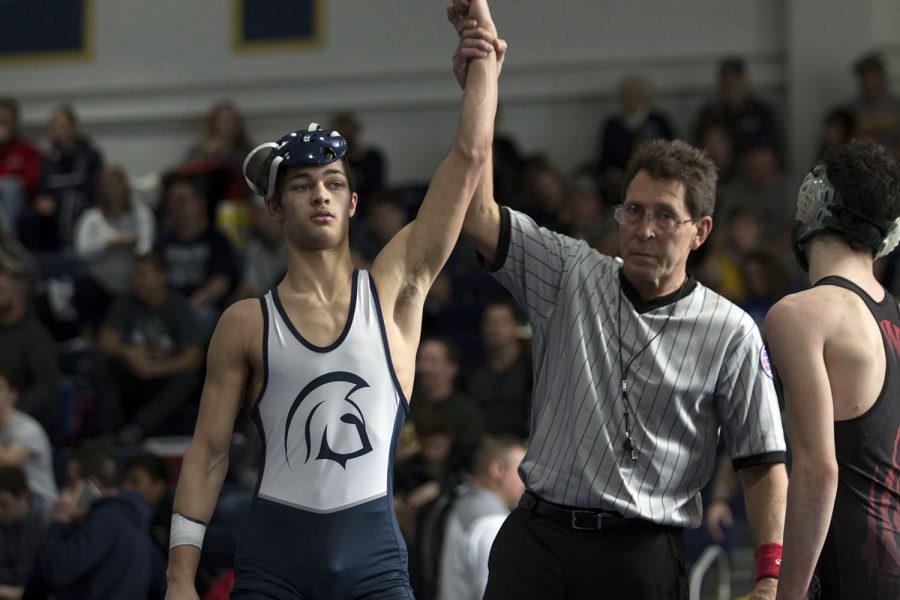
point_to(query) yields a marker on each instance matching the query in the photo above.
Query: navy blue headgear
(311, 147)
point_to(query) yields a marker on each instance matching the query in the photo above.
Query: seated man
(27, 348)
(98, 546)
(20, 165)
(24, 520)
(150, 354)
(148, 475)
(476, 517)
(201, 261)
(435, 393)
(23, 442)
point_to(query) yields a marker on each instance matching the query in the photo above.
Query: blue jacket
(109, 555)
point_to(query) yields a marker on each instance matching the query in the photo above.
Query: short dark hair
(869, 62)
(99, 462)
(492, 448)
(732, 64)
(504, 300)
(13, 480)
(449, 347)
(154, 464)
(868, 179)
(155, 258)
(10, 104)
(677, 160)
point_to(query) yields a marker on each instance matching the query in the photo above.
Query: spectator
(435, 392)
(583, 215)
(712, 134)
(766, 279)
(201, 262)
(149, 356)
(27, 348)
(838, 128)
(764, 187)
(12, 250)
(368, 167)
(476, 517)
(544, 190)
(224, 136)
(108, 237)
(20, 165)
(24, 520)
(220, 152)
(97, 546)
(424, 486)
(148, 475)
(420, 478)
(386, 216)
(722, 268)
(23, 442)
(877, 112)
(265, 259)
(748, 117)
(501, 383)
(635, 121)
(70, 176)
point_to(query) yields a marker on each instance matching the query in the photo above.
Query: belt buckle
(580, 513)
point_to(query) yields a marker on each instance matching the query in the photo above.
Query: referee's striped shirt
(705, 374)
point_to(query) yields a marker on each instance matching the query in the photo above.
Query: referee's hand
(717, 518)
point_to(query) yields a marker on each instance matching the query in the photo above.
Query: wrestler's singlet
(322, 523)
(861, 557)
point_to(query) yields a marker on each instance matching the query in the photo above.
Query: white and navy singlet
(322, 523)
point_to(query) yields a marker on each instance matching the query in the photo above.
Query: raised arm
(798, 353)
(206, 461)
(482, 222)
(408, 265)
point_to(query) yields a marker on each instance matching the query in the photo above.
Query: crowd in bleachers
(107, 303)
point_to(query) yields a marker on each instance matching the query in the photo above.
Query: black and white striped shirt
(705, 373)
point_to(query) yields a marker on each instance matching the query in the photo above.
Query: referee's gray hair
(677, 160)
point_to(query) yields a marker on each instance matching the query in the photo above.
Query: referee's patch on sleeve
(764, 362)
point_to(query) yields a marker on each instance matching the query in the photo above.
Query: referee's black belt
(578, 518)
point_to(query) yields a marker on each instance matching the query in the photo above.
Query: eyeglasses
(663, 221)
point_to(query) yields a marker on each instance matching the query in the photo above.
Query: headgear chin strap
(312, 147)
(819, 206)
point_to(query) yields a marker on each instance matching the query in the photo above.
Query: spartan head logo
(354, 417)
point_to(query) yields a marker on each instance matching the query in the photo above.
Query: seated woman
(108, 237)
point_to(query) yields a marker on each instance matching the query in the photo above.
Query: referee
(638, 368)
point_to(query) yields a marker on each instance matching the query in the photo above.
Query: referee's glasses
(663, 221)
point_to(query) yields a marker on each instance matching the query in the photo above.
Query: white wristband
(186, 532)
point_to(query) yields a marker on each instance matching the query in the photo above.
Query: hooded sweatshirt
(108, 555)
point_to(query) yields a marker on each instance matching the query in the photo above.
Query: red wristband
(768, 560)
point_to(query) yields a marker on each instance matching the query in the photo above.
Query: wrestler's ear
(273, 205)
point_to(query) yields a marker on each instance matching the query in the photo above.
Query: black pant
(122, 398)
(534, 557)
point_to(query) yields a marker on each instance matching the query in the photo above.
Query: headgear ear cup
(819, 208)
(891, 239)
(253, 163)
